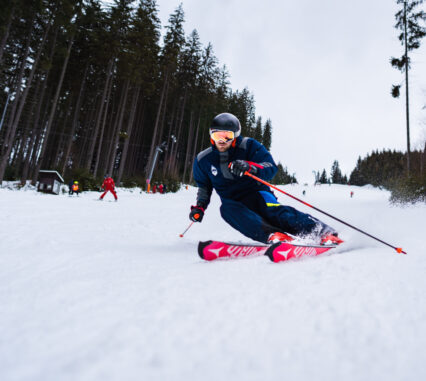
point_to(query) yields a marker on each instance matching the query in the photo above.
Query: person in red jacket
(108, 185)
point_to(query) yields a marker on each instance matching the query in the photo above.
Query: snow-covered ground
(108, 291)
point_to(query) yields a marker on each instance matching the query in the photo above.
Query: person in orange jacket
(75, 188)
(109, 186)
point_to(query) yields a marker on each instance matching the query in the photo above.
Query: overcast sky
(319, 70)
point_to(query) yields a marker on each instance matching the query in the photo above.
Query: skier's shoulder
(249, 144)
(204, 154)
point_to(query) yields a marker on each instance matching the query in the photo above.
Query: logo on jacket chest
(214, 170)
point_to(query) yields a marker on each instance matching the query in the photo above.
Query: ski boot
(279, 237)
(331, 239)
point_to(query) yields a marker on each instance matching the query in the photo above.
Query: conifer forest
(89, 89)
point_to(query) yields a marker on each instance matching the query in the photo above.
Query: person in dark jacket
(247, 205)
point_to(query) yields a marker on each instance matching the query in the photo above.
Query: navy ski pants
(259, 214)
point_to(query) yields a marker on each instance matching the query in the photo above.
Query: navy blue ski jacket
(211, 171)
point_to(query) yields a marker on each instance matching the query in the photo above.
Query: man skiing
(109, 186)
(247, 205)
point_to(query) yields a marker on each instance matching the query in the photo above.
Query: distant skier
(247, 205)
(109, 186)
(70, 184)
(75, 188)
(352, 194)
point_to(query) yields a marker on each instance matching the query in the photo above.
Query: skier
(70, 184)
(109, 186)
(247, 205)
(75, 188)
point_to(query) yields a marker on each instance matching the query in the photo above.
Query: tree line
(88, 89)
(336, 176)
(388, 169)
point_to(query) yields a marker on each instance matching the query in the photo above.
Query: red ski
(211, 250)
(283, 251)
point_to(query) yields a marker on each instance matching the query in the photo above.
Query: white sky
(319, 70)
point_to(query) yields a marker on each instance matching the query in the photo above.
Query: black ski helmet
(226, 122)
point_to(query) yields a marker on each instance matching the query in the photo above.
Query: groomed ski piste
(108, 290)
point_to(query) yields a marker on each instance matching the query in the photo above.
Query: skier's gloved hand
(197, 213)
(239, 167)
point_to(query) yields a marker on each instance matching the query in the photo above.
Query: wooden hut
(49, 182)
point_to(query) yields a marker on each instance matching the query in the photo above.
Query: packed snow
(108, 290)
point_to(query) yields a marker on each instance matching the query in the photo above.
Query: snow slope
(108, 291)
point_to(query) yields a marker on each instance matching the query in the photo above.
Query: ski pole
(182, 234)
(398, 249)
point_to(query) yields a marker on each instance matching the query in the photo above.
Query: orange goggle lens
(224, 136)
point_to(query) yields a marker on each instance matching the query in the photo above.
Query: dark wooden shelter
(49, 182)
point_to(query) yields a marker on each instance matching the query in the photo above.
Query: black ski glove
(197, 213)
(239, 167)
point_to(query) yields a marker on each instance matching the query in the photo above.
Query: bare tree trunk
(27, 142)
(10, 133)
(188, 145)
(11, 129)
(179, 120)
(157, 120)
(56, 157)
(74, 121)
(116, 134)
(6, 33)
(173, 163)
(53, 109)
(35, 137)
(129, 133)
(160, 132)
(407, 105)
(101, 135)
(28, 83)
(111, 131)
(194, 150)
(107, 137)
(99, 117)
(39, 139)
(36, 132)
(136, 150)
(169, 139)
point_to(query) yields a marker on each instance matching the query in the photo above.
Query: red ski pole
(182, 234)
(398, 249)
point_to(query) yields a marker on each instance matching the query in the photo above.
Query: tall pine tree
(267, 135)
(411, 23)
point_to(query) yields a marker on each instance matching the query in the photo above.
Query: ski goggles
(220, 135)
